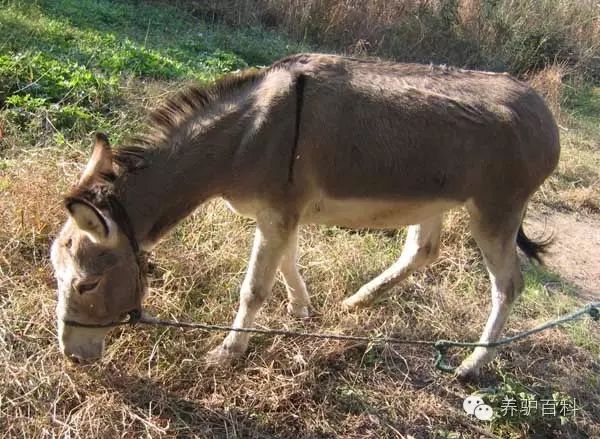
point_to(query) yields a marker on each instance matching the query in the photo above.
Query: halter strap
(133, 317)
(122, 219)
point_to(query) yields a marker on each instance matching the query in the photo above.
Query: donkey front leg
(272, 236)
(298, 298)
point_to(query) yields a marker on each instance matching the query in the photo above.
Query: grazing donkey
(311, 139)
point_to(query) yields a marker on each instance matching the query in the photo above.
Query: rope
(441, 346)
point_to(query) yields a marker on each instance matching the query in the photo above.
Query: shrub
(515, 35)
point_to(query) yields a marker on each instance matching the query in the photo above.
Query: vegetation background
(69, 67)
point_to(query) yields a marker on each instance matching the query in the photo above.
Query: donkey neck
(180, 175)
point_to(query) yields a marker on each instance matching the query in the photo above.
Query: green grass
(67, 64)
(583, 105)
(575, 186)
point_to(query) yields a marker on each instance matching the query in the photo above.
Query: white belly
(359, 213)
(355, 213)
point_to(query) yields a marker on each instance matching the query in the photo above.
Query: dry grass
(513, 35)
(548, 82)
(153, 382)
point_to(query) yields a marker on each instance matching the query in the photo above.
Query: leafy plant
(64, 66)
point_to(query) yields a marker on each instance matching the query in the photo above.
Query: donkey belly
(359, 213)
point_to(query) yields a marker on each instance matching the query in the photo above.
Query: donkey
(313, 138)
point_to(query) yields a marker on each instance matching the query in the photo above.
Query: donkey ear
(101, 161)
(89, 219)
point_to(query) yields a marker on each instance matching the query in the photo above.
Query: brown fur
(443, 121)
(368, 144)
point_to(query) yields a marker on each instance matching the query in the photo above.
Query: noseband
(133, 317)
(120, 216)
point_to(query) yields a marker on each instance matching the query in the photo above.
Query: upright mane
(185, 105)
(165, 120)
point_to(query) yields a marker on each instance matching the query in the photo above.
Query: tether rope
(441, 346)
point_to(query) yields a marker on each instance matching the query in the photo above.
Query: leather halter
(141, 258)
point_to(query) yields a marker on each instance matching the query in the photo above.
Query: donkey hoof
(468, 371)
(352, 303)
(298, 311)
(222, 356)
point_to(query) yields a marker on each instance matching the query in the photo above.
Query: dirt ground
(575, 251)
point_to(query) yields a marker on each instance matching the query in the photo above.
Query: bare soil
(575, 250)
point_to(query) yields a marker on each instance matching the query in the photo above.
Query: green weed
(67, 63)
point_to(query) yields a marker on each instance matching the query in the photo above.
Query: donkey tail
(533, 249)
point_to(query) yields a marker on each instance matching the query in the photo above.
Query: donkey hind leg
(271, 238)
(497, 242)
(421, 248)
(298, 298)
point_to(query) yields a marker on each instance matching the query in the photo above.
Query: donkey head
(96, 261)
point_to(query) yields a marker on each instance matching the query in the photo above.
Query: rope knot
(442, 345)
(441, 348)
(594, 313)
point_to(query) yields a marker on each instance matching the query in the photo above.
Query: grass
(575, 186)
(65, 68)
(519, 36)
(69, 67)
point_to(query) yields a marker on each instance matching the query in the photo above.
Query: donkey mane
(163, 121)
(184, 106)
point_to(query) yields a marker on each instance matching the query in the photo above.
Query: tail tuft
(533, 249)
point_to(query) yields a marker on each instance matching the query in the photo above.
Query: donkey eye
(84, 288)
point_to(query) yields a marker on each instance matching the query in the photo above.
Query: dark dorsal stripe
(300, 83)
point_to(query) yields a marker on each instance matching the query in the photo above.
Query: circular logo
(475, 406)
(471, 403)
(483, 412)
